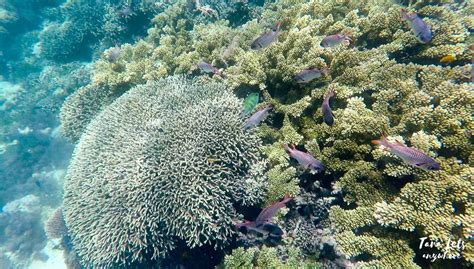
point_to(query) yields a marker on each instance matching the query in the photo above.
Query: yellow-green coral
(266, 257)
(281, 180)
(386, 251)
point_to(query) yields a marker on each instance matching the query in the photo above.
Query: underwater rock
(163, 163)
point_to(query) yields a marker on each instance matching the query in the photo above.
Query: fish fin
(382, 141)
(325, 70)
(404, 13)
(277, 26)
(376, 142)
(217, 72)
(399, 143)
(286, 198)
(287, 149)
(330, 93)
(419, 164)
(333, 115)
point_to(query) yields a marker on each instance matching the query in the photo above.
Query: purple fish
(304, 159)
(411, 156)
(114, 54)
(208, 68)
(267, 38)
(262, 222)
(308, 75)
(328, 116)
(418, 26)
(268, 212)
(334, 40)
(257, 117)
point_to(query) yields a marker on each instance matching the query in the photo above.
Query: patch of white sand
(55, 259)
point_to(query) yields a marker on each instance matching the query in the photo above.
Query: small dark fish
(208, 68)
(334, 40)
(257, 117)
(328, 116)
(307, 75)
(419, 27)
(267, 38)
(304, 159)
(411, 156)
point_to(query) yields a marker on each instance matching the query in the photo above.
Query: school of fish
(411, 156)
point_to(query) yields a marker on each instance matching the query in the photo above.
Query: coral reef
(21, 233)
(29, 127)
(9, 95)
(85, 26)
(55, 227)
(383, 81)
(81, 107)
(266, 257)
(162, 164)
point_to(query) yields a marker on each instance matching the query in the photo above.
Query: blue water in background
(38, 70)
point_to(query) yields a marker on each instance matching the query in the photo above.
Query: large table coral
(163, 164)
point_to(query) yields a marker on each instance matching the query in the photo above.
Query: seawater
(52, 50)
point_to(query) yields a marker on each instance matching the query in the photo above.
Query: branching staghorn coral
(163, 163)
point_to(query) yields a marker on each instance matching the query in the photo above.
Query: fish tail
(376, 142)
(286, 198)
(330, 93)
(268, 107)
(404, 14)
(325, 70)
(218, 72)
(382, 141)
(277, 26)
(287, 148)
